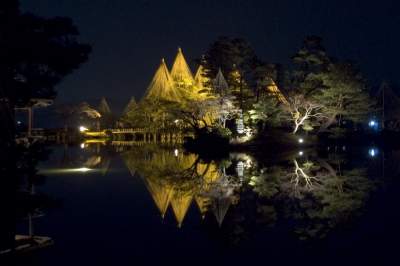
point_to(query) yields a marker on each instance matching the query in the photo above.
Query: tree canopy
(36, 53)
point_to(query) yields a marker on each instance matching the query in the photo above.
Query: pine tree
(344, 95)
(236, 58)
(107, 119)
(310, 60)
(131, 106)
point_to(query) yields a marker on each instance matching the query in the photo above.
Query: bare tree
(302, 110)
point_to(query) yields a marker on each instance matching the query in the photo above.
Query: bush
(223, 132)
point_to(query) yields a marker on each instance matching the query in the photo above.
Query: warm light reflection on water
(66, 170)
(139, 195)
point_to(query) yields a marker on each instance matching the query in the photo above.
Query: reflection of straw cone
(161, 194)
(180, 203)
(162, 171)
(220, 208)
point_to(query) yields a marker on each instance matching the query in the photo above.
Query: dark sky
(130, 36)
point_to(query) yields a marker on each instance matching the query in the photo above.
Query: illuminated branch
(301, 177)
(207, 112)
(302, 110)
(226, 110)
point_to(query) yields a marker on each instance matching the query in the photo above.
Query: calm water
(155, 205)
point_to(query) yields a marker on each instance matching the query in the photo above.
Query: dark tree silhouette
(35, 55)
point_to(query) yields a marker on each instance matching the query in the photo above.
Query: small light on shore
(83, 169)
(301, 153)
(373, 124)
(373, 152)
(83, 129)
(301, 140)
(176, 152)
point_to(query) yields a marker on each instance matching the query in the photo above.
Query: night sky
(129, 37)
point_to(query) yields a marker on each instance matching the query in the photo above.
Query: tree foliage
(337, 89)
(239, 64)
(344, 94)
(36, 53)
(303, 112)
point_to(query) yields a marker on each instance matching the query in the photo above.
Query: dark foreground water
(151, 205)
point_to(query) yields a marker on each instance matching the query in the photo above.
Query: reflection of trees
(300, 177)
(176, 179)
(19, 198)
(312, 195)
(318, 195)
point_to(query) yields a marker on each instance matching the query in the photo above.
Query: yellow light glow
(83, 129)
(66, 170)
(83, 169)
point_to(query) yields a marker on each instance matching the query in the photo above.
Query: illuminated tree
(337, 87)
(198, 114)
(225, 110)
(310, 59)
(236, 58)
(240, 89)
(344, 95)
(302, 83)
(85, 108)
(303, 113)
(88, 114)
(316, 194)
(154, 114)
(267, 111)
(261, 78)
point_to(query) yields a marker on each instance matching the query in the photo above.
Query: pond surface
(153, 205)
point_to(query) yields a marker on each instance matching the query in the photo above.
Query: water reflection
(312, 193)
(232, 200)
(315, 194)
(21, 203)
(177, 179)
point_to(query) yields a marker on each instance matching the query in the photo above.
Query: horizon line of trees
(316, 92)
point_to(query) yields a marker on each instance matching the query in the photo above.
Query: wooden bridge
(139, 135)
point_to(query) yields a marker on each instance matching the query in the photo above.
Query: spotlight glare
(373, 152)
(83, 129)
(83, 169)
